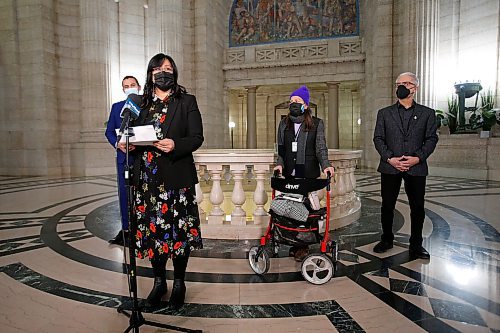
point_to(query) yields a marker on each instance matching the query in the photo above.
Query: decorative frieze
(289, 53)
(350, 48)
(236, 57)
(308, 53)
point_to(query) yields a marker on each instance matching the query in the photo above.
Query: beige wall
(61, 63)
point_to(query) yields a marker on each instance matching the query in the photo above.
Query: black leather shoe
(178, 294)
(118, 240)
(419, 253)
(382, 246)
(159, 290)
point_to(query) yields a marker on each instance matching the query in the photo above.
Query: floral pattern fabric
(168, 222)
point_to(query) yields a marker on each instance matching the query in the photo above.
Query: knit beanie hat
(303, 93)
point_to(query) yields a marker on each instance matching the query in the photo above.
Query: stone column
(427, 17)
(95, 65)
(171, 30)
(377, 86)
(90, 151)
(333, 115)
(251, 118)
(29, 126)
(204, 41)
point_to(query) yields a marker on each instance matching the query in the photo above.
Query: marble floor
(58, 273)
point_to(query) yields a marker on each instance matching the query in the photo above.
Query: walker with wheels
(316, 268)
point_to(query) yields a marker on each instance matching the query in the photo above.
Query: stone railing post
(260, 195)
(216, 216)
(238, 215)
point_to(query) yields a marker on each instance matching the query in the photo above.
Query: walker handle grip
(329, 177)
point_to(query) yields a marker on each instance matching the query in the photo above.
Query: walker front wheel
(259, 260)
(317, 268)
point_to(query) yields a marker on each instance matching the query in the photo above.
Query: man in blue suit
(405, 136)
(130, 85)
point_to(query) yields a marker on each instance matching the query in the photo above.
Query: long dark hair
(308, 121)
(149, 88)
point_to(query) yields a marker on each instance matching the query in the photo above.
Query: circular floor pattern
(357, 262)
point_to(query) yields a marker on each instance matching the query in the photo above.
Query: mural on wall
(270, 21)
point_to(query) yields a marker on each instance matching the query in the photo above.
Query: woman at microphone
(164, 178)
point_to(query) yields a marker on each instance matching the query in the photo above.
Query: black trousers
(415, 190)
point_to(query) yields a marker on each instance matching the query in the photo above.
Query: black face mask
(402, 92)
(164, 80)
(296, 109)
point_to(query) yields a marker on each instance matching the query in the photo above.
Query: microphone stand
(136, 319)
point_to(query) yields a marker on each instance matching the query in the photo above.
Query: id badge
(294, 147)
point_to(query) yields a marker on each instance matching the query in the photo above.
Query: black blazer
(311, 168)
(391, 140)
(183, 125)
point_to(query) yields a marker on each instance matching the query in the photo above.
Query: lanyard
(296, 136)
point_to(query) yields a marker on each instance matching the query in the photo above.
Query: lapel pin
(415, 117)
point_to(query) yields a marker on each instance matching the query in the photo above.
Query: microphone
(129, 110)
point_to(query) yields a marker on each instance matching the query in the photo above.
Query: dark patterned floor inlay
(406, 308)
(350, 257)
(105, 195)
(20, 221)
(76, 234)
(407, 287)
(487, 229)
(456, 311)
(72, 218)
(342, 321)
(384, 272)
(10, 246)
(357, 262)
(476, 300)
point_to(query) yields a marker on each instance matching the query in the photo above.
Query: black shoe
(178, 294)
(159, 290)
(382, 246)
(118, 240)
(419, 253)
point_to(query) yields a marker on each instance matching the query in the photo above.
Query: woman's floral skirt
(168, 222)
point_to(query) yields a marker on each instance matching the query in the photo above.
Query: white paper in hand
(141, 135)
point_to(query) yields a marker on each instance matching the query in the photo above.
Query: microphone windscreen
(132, 104)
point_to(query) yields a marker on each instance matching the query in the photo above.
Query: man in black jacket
(405, 136)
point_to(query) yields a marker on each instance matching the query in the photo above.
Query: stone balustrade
(234, 191)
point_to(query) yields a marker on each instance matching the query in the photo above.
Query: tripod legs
(137, 320)
(135, 315)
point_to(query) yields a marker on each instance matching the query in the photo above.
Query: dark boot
(160, 283)
(178, 294)
(159, 290)
(120, 238)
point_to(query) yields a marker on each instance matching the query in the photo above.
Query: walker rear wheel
(317, 268)
(260, 263)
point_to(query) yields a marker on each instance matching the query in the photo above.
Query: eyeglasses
(407, 84)
(163, 69)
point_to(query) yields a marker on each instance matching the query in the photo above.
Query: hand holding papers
(141, 135)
